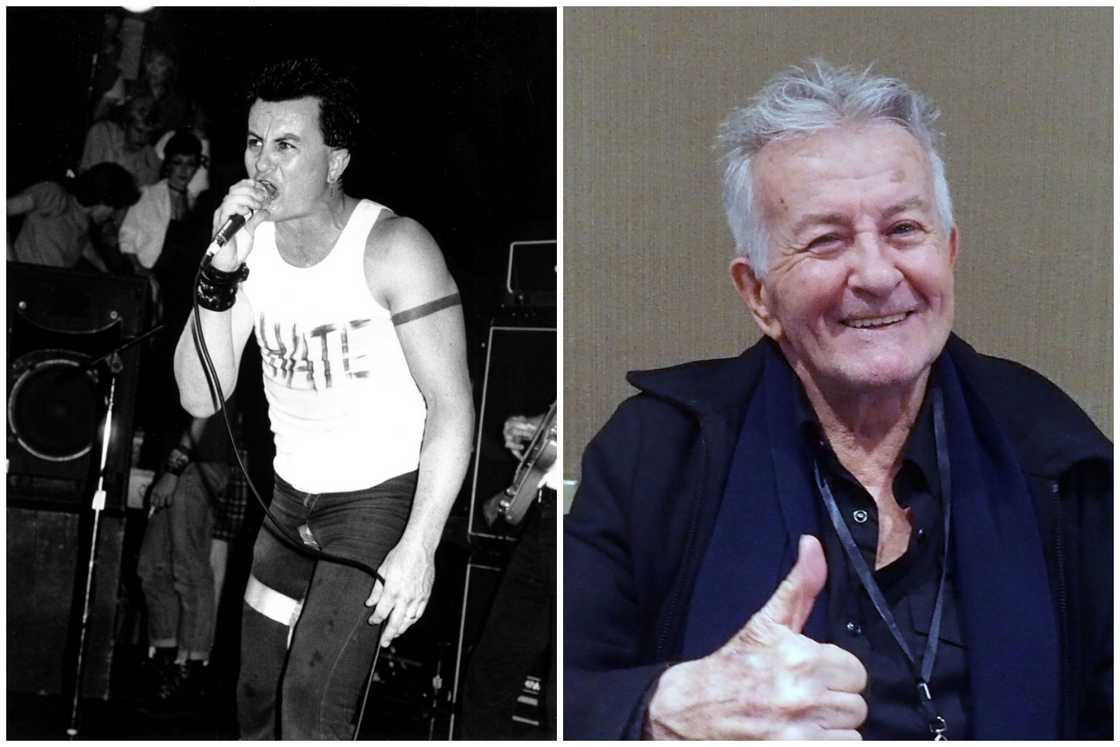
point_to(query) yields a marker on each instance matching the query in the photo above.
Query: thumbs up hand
(768, 681)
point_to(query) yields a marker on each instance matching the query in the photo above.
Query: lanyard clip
(937, 724)
(937, 727)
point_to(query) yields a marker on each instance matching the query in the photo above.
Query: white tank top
(344, 408)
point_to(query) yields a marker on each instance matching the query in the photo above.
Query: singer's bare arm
(405, 271)
(225, 332)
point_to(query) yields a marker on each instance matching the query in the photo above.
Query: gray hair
(804, 101)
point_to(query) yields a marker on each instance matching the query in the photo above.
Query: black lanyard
(923, 671)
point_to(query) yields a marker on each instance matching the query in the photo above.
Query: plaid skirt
(229, 508)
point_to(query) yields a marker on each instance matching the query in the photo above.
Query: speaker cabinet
(60, 325)
(520, 379)
(531, 273)
(479, 588)
(410, 694)
(47, 554)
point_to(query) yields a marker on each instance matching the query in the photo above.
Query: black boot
(175, 691)
(154, 670)
(197, 684)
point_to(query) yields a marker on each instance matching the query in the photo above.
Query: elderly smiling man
(860, 527)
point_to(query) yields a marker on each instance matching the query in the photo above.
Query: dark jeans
(520, 627)
(174, 563)
(312, 689)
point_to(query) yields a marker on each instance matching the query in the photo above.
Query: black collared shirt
(909, 585)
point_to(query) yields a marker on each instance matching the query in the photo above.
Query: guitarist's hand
(490, 509)
(518, 431)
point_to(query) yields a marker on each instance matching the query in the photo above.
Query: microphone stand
(98, 505)
(113, 362)
(369, 684)
(120, 349)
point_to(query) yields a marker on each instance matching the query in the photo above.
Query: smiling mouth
(876, 322)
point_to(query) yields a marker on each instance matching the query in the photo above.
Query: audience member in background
(106, 72)
(175, 561)
(229, 520)
(127, 140)
(163, 237)
(172, 110)
(158, 236)
(200, 182)
(181, 566)
(159, 80)
(60, 220)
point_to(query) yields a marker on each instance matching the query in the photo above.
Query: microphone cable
(218, 398)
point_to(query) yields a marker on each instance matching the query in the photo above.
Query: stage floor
(47, 717)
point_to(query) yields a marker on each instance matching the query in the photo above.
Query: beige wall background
(1026, 97)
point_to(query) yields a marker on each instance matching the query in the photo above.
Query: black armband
(424, 309)
(217, 289)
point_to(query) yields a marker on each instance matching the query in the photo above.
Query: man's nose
(875, 266)
(262, 165)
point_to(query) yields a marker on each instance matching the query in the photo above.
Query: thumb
(791, 604)
(375, 593)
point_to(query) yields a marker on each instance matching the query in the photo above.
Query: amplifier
(520, 379)
(531, 274)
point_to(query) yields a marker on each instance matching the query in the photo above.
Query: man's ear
(954, 246)
(756, 296)
(339, 159)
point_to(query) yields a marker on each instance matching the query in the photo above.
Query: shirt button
(921, 535)
(860, 516)
(853, 628)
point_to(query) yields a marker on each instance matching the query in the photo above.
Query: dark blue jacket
(651, 485)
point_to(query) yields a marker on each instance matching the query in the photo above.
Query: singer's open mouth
(269, 187)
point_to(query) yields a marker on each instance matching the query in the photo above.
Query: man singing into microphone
(364, 364)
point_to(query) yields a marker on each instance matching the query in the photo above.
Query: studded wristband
(217, 289)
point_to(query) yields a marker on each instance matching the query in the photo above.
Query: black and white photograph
(281, 350)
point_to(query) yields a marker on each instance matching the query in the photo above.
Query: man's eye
(252, 143)
(903, 229)
(823, 242)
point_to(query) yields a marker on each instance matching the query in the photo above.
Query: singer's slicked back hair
(338, 94)
(105, 183)
(805, 100)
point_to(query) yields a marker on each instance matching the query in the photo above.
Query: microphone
(235, 223)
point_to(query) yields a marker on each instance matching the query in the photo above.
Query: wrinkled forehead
(864, 162)
(300, 117)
